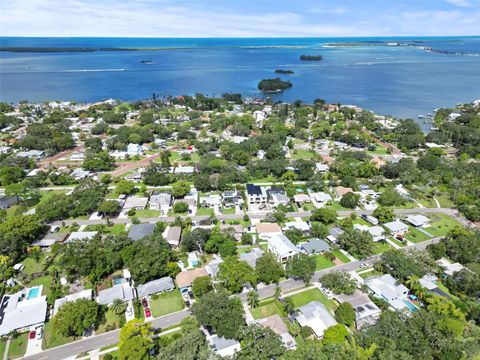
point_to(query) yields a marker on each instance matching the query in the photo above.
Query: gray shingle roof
(139, 231)
(155, 286)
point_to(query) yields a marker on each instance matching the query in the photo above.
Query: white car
(39, 332)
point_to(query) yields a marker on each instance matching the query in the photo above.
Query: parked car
(148, 313)
(39, 331)
(145, 302)
(32, 334)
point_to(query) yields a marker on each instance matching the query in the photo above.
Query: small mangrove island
(282, 71)
(311, 57)
(274, 85)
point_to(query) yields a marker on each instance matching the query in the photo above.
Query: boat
(421, 116)
(147, 62)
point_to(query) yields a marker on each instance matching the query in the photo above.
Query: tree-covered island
(274, 85)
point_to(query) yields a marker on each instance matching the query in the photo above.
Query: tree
(125, 187)
(180, 189)
(73, 318)
(350, 200)
(252, 299)
(201, 286)
(345, 314)
(135, 341)
(288, 304)
(246, 239)
(118, 306)
(268, 269)
(390, 197)
(301, 267)
(358, 243)
(324, 215)
(277, 293)
(235, 274)
(98, 161)
(319, 230)
(109, 207)
(340, 282)
(384, 214)
(180, 207)
(259, 343)
(222, 313)
(335, 334)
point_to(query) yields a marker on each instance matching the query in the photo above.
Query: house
(84, 294)
(266, 230)
(297, 225)
(366, 312)
(320, 199)
(50, 239)
(251, 257)
(135, 177)
(387, 287)
(81, 235)
(282, 247)
(155, 287)
(135, 202)
(236, 229)
(8, 201)
(371, 219)
(139, 231)
(322, 168)
(79, 174)
(276, 324)
(315, 246)
(301, 198)
(232, 198)
(213, 267)
(172, 235)
(134, 149)
(396, 228)
(256, 194)
(193, 259)
(377, 232)
(161, 202)
(449, 268)
(334, 233)
(222, 346)
(122, 291)
(187, 170)
(341, 190)
(211, 201)
(22, 310)
(316, 316)
(185, 279)
(418, 220)
(34, 154)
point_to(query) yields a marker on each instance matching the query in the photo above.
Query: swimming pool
(33, 293)
(410, 306)
(118, 280)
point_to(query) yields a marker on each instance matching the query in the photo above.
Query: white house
(316, 316)
(377, 232)
(134, 202)
(161, 202)
(322, 168)
(320, 199)
(397, 228)
(282, 247)
(418, 220)
(256, 194)
(389, 289)
(134, 149)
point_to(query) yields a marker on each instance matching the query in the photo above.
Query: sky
(239, 18)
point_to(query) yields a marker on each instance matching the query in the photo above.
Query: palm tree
(277, 293)
(413, 282)
(252, 299)
(118, 306)
(288, 304)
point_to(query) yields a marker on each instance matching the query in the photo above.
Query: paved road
(446, 211)
(102, 340)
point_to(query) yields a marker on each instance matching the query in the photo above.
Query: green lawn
(112, 321)
(241, 250)
(445, 201)
(302, 154)
(380, 247)
(396, 242)
(307, 296)
(323, 262)
(204, 212)
(445, 289)
(264, 246)
(441, 224)
(18, 346)
(268, 179)
(228, 211)
(308, 206)
(380, 150)
(268, 309)
(341, 256)
(52, 338)
(416, 236)
(147, 213)
(42, 280)
(102, 228)
(167, 303)
(368, 274)
(3, 344)
(336, 206)
(32, 266)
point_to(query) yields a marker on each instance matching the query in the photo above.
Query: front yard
(147, 213)
(441, 224)
(315, 294)
(268, 308)
(52, 338)
(380, 247)
(416, 236)
(18, 346)
(166, 303)
(204, 212)
(323, 262)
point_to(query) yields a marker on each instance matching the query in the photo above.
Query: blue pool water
(400, 80)
(410, 306)
(118, 280)
(33, 293)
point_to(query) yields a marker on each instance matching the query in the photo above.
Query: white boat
(421, 116)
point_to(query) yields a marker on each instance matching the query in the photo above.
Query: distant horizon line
(241, 37)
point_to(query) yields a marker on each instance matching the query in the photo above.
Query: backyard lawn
(441, 224)
(416, 236)
(307, 296)
(42, 280)
(204, 211)
(18, 346)
(52, 338)
(104, 229)
(32, 266)
(302, 154)
(323, 262)
(268, 309)
(166, 303)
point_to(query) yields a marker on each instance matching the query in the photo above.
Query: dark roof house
(139, 231)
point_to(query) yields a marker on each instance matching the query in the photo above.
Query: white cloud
(461, 3)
